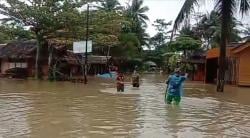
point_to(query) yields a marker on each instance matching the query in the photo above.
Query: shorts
(170, 98)
(136, 85)
(120, 88)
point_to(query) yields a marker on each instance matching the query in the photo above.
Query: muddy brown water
(41, 109)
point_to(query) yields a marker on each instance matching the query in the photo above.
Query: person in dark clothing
(120, 82)
(136, 79)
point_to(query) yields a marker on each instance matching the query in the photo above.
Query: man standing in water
(174, 88)
(136, 79)
(120, 82)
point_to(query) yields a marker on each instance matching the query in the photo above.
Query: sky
(169, 9)
(165, 9)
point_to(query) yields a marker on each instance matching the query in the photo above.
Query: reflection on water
(41, 109)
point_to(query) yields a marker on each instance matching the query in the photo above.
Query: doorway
(211, 70)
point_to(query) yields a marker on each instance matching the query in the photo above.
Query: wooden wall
(244, 68)
(200, 73)
(215, 53)
(4, 65)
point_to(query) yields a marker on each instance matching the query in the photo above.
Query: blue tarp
(111, 75)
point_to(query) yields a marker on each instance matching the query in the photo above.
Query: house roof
(24, 49)
(232, 50)
(242, 47)
(150, 63)
(59, 44)
(75, 59)
(18, 49)
(193, 61)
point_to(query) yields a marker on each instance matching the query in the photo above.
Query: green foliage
(187, 67)
(161, 25)
(155, 56)
(109, 5)
(12, 31)
(184, 14)
(43, 16)
(136, 13)
(185, 43)
(127, 47)
(190, 32)
(230, 6)
(162, 32)
(246, 31)
(209, 29)
(173, 62)
(114, 31)
(105, 28)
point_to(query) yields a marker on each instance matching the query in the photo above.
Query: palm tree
(226, 9)
(246, 31)
(208, 29)
(136, 12)
(109, 5)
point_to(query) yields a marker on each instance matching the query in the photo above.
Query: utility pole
(86, 50)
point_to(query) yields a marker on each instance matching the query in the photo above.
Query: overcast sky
(169, 9)
(164, 9)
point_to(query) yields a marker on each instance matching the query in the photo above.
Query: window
(24, 65)
(12, 65)
(18, 65)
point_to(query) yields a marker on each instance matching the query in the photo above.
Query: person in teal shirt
(175, 87)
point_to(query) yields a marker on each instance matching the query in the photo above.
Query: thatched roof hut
(18, 49)
(27, 49)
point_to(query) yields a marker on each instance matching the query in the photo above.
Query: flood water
(41, 109)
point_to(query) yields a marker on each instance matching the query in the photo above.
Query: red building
(238, 68)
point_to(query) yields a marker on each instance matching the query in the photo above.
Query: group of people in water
(174, 83)
(120, 81)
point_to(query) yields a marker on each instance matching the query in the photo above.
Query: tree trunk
(225, 30)
(37, 60)
(107, 57)
(37, 70)
(50, 50)
(208, 44)
(54, 70)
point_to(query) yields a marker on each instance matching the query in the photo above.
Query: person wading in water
(120, 82)
(174, 87)
(136, 79)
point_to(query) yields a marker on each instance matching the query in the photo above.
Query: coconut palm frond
(244, 6)
(143, 9)
(186, 9)
(109, 5)
(143, 17)
(138, 12)
(226, 9)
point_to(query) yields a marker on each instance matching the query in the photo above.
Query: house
(238, 67)
(22, 54)
(96, 64)
(18, 55)
(1, 46)
(197, 61)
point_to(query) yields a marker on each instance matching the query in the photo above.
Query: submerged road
(41, 109)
